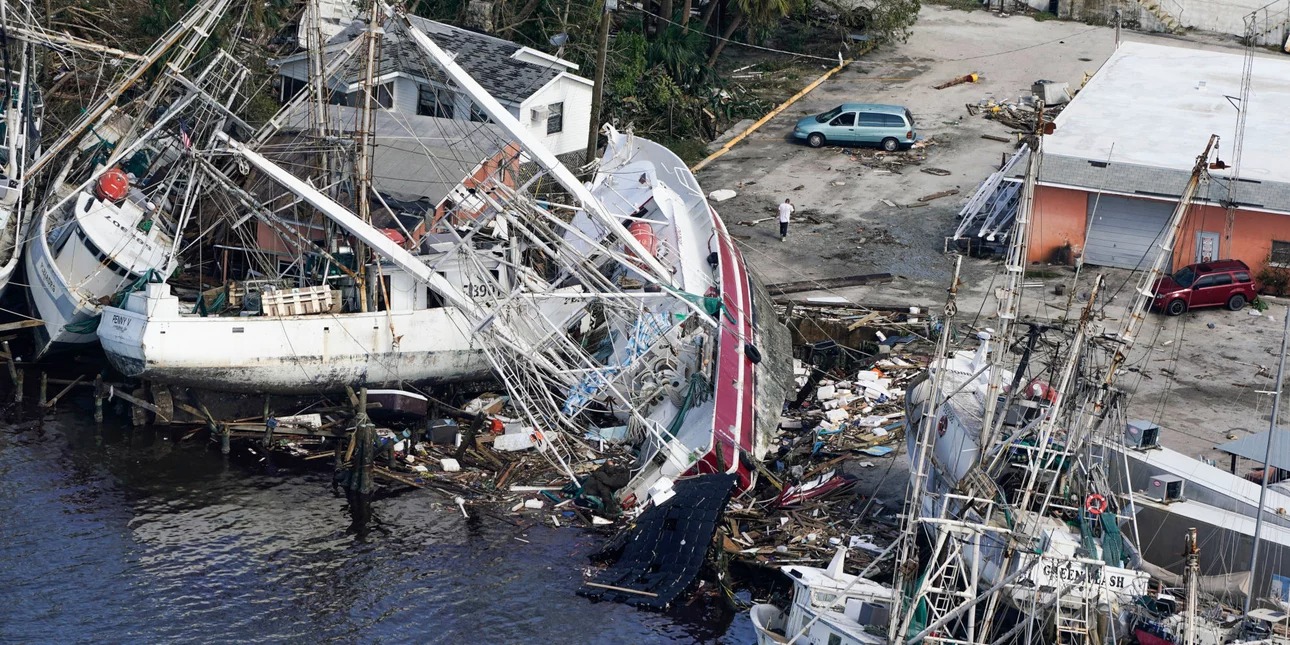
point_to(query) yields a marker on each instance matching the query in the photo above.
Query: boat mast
(653, 271)
(1267, 458)
(1191, 550)
(920, 461)
(363, 139)
(1145, 294)
(1015, 265)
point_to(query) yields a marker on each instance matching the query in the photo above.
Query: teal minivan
(889, 126)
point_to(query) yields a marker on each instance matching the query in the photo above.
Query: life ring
(1095, 504)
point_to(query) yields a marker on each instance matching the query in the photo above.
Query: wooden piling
(44, 389)
(98, 399)
(17, 390)
(225, 440)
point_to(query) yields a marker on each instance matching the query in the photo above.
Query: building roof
(496, 64)
(1139, 180)
(415, 157)
(1255, 447)
(1155, 106)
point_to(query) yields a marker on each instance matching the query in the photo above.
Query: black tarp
(665, 550)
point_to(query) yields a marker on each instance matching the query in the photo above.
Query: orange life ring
(1095, 504)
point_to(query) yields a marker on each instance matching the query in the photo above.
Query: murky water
(125, 536)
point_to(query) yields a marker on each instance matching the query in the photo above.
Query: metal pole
(598, 90)
(1267, 456)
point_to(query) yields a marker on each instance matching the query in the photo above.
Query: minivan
(1220, 283)
(889, 126)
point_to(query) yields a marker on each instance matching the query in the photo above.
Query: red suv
(1208, 284)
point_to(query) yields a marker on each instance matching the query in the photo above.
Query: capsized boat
(828, 606)
(110, 218)
(19, 145)
(630, 306)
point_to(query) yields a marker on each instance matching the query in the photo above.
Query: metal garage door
(1124, 230)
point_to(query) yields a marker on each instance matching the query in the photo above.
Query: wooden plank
(622, 589)
(830, 283)
(21, 324)
(139, 402)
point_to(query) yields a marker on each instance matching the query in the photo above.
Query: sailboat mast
(363, 139)
(1267, 458)
(1192, 581)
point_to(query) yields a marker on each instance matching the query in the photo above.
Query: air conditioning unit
(1166, 488)
(1142, 434)
(539, 114)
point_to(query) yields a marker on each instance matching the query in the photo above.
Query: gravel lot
(1201, 386)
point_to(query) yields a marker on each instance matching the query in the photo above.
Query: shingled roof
(490, 60)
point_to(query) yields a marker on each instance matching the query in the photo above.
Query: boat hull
(53, 302)
(292, 354)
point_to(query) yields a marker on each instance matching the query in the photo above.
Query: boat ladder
(1073, 620)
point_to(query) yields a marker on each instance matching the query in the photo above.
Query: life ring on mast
(1095, 504)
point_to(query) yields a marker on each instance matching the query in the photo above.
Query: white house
(540, 90)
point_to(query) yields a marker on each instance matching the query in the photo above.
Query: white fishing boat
(630, 305)
(828, 606)
(19, 144)
(110, 218)
(1019, 508)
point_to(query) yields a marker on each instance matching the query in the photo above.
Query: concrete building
(1123, 150)
(540, 90)
(1268, 23)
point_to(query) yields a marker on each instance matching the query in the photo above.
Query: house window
(555, 118)
(434, 101)
(1280, 253)
(478, 115)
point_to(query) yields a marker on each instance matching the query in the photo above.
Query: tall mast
(920, 460)
(1191, 551)
(1144, 294)
(363, 139)
(1267, 456)
(1015, 265)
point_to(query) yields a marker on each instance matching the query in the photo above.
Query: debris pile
(1018, 115)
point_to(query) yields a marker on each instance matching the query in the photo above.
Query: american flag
(184, 135)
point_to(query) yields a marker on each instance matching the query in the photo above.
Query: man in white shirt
(785, 210)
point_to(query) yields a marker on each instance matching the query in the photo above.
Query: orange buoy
(112, 185)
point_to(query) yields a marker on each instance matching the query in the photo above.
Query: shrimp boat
(19, 145)
(828, 606)
(111, 216)
(622, 302)
(1009, 489)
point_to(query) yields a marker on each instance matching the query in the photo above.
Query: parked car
(1224, 283)
(889, 126)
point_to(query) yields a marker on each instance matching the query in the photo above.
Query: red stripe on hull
(733, 426)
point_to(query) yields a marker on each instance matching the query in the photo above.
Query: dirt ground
(1196, 375)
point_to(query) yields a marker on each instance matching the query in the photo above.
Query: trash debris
(721, 195)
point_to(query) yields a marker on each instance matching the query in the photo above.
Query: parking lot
(1199, 374)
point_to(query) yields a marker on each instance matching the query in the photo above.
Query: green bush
(1274, 280)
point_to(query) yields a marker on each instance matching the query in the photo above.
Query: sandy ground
(1196, 375)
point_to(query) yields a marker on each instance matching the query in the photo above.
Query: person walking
(785, 212)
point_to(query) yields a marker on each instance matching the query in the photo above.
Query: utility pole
(598, 91)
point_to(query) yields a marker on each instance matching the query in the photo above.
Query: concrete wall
(576, 96)
(1224, 17)
(1061, 216)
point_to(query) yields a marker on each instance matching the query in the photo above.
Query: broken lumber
(966, 78)
(943, 193)
(995, 137)
(830, 283)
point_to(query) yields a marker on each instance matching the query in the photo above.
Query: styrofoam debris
(450, 465)
(534, 503)
(721, 195)
(836, 416)
(826, 392)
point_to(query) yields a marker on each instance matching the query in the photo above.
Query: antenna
(1238, 138)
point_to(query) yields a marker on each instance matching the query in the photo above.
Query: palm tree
(757, 13)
